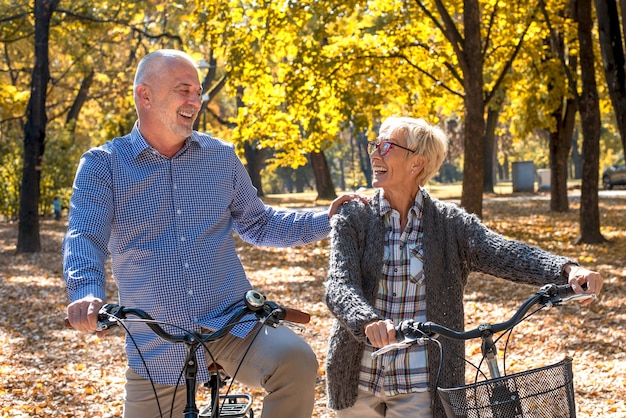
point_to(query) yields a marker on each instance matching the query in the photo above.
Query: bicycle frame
(504, 402)
(268, 312)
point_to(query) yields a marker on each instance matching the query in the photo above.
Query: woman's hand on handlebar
(584, 281)
(82, 314)
(380, 333)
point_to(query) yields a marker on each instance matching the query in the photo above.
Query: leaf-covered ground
(46, 370)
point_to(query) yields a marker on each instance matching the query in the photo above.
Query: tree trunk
(255, 158)
(560, 145)
(622, 9)
(210, 89)
(323, 181)
(560, 141)
(577, 159)
(35, 132)
(364, 158)
(79, 101)
(301, 179)
(474, 154)
(590, 122)
(613, 59)
(490, 150)
(342, 174)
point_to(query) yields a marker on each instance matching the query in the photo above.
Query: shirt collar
(139, 143)
(416, 208)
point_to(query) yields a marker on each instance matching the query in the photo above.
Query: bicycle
(220, 405)
(523, 394)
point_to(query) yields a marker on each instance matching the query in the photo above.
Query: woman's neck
(401, 201)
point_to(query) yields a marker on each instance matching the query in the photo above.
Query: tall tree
(35, 131)
(587, 101)
(590, 121)
(470, 57)
(564, 116)
(491, 146)
(104, 40)
(323, 181)
(563, 107)
(612, 47)
(560, 144)
(271, 49)
(544, 92)
(421, 57)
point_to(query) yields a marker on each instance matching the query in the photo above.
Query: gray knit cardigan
(455, 243)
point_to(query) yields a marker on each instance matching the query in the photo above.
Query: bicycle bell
(254, 300)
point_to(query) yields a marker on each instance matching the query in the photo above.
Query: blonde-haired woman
(405, 255)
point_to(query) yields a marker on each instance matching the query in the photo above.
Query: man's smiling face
(178, 100)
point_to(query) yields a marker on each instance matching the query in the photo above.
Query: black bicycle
(220, 405)
(542, 392)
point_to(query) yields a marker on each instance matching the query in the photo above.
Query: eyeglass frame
(377, 146)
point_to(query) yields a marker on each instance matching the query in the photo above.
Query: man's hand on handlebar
(83, 314)
(584, 281)
(380, 333)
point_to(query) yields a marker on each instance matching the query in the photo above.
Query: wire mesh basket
(546, 392)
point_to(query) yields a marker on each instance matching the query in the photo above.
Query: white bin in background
(523, 176)
(544, 178)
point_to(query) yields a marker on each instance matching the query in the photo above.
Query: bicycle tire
(545, 392)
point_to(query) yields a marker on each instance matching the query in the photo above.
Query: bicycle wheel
(545, 392)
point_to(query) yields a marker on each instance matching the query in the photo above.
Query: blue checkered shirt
(401, 295)
(167, 224)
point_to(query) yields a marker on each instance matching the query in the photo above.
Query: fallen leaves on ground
(46, 370)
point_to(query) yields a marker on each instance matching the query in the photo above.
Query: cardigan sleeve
(486, 251)
(513, 260)
(346, 297)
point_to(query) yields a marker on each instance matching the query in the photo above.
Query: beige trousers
(278, 360)
(416, 405)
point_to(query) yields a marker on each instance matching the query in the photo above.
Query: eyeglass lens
(383, 147)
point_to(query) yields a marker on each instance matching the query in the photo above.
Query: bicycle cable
(256, 334)
(232, 380)
(508, 332)
(121, 322)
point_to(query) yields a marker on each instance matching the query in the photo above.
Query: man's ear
(143, 95)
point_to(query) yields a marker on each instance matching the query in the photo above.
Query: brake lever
(556, 300)
(579, 297)
(293, 326)
(407, 342)
(109, 316)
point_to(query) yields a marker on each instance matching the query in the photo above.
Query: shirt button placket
(180, 227)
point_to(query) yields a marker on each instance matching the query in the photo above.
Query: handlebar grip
(296, 316)
(564, 290)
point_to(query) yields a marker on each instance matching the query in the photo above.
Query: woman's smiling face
(391, 162)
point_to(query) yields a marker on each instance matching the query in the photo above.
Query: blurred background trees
(301, 86)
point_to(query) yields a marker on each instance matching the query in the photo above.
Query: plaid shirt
(401, 295)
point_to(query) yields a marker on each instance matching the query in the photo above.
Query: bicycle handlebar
(547, 296)
(255, 303)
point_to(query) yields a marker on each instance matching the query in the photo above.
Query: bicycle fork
(490, 353)
(505, 403)
(191, 371)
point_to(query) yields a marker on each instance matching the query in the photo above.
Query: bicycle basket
(544, 392)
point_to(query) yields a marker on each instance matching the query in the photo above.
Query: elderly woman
(405, 255)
